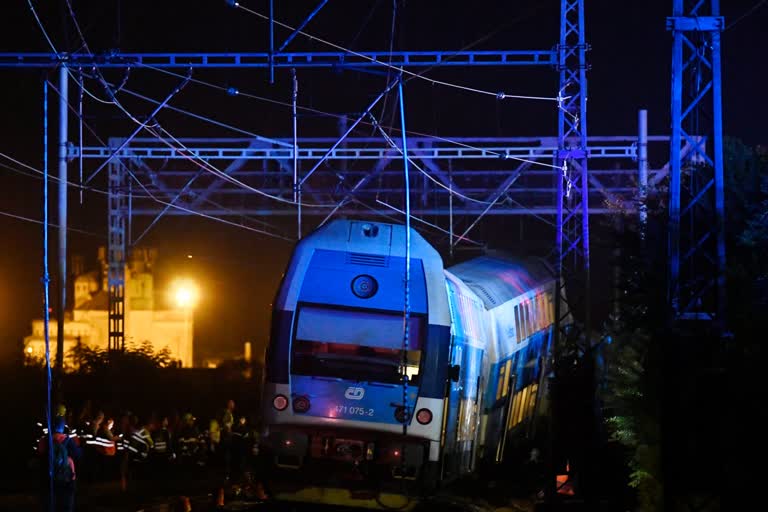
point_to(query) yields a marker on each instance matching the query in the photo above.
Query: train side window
(501, 383)
(521, 409)
(527, 320)
(528, 324)
(531, 405)
(513, 412)
(517, 323)
(508, 376)
(547, 309)
(540, 311)
(551, 306)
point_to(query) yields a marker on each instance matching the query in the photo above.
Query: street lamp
(186, 295)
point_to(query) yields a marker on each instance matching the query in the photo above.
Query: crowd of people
(94, 446)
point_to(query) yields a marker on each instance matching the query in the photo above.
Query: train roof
(497, 280)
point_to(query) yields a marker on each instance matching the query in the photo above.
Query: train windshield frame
(357, 345)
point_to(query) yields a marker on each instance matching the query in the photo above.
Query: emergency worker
(140, 442)
(162, 441)
(188, 440)
(227, 424)
(240, 446)
(105, 444)
(65, 452)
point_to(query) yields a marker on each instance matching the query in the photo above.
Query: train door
(452, 406)
(508, 381)
(477, 420)
(471, 365)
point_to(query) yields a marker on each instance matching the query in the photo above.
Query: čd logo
(354, 393)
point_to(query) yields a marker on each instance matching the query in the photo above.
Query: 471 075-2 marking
(357, 411)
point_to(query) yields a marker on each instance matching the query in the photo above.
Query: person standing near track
(65, 452)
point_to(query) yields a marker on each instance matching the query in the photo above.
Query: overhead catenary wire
(376, 125)
(42, 222)
(450, 189)
(394, 145)
(255, 97)
(207, 165)
(498, 95)
(141, 125)
(101, 141)
(232, 91)
(210, 167)
(69, 71)
(235, 92)
(40, 175)
(200, 214)
(189, 155)
(206, 119)
(148, 195)
(425, 222)
(749, 12)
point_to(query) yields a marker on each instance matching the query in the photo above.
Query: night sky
(238, 270)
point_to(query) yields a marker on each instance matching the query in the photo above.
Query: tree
(141, 358)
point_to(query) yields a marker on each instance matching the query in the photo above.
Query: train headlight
(280, 402)
(401, 414)
(301, 404)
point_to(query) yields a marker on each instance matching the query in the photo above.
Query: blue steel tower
(572, 222)
(696, 205)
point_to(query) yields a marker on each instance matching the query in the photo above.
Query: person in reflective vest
(188, 439)
(105, 439)
(65, 452)
(140, 443)
(163, 441)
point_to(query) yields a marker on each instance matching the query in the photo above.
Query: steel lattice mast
(117, 204)
(572, 219)
(696, 197)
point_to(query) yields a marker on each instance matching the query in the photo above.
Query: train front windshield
(356, 345)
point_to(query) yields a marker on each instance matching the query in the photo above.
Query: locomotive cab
(351, 387)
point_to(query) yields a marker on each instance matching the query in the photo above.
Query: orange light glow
(185, 293)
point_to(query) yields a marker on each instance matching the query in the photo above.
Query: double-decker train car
(336, 403)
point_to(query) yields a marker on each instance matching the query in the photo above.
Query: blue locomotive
(335, 399)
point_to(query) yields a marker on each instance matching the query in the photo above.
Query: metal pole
(450, 209)
(642, 169)
(717, 120)
(407, 301)
(81, 91)
(675, 167)
(584, 178)
(46, 303)
(63, 129)
(271, 41)
(296, 184)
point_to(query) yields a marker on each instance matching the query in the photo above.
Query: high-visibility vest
(140, 443)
